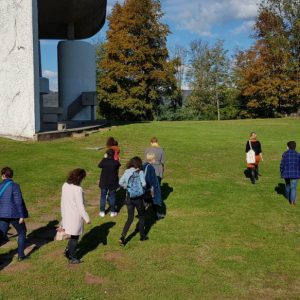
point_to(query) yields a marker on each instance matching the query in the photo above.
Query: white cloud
(53, 80)
(49, 74)
(246, 26)
(200, 16)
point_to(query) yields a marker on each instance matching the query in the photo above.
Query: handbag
(61, 234)
(250, 155)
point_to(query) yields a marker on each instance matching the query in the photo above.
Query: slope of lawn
(222, 238)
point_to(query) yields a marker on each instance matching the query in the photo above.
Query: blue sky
(229, 20)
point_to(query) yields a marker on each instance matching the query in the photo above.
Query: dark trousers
(21, 230)
(71, 247)
(137, 203)
(112, 199)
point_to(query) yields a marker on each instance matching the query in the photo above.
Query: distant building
(22, 88)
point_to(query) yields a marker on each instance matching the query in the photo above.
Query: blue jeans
(21, 230)
(111, 197)
(291, 189)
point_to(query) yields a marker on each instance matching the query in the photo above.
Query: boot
(252, 177)
(71, 248)
(256, 172)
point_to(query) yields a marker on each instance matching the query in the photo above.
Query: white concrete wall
(19, 69)
(76, 74)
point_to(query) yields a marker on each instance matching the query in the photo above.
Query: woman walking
(73, 212)
(152, 188)
(255, 145)
(109, 182)
(113, 144)
(133, 180)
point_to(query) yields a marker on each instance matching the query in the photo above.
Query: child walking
(108, 182)
(133, 180)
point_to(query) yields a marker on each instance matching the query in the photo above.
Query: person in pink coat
(73, 212)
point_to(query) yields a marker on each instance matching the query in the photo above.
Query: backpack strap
(4, 188)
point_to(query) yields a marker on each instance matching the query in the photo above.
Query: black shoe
(122, 241)
(22, 258)
(67, 253)
(74, 261)
(144, 238)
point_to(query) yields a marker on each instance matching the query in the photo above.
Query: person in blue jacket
(290, 171)
(12, 210)
(153, 187)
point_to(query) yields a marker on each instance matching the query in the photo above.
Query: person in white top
(73, 212)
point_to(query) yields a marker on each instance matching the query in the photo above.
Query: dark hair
(116, 143)
(153, 139)
(110, 142)
(135, 162)
(291, 145)
(7, 172)
(76, 176)
(110, 153)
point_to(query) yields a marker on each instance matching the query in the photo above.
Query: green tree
(268, 73)
(137, 73)
(209, 76)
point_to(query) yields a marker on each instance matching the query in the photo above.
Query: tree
(137, 72)
(209, 77)
(268, 73)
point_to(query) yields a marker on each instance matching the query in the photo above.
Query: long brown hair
(135, 162)
(76, 176)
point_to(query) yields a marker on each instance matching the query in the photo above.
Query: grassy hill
(222, 238)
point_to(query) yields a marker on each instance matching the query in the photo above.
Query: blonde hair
(150, 157)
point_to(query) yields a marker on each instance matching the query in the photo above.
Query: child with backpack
(133, 180)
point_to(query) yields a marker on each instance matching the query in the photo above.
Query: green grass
(223, 238)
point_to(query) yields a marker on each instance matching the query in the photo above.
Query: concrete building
(22, 24)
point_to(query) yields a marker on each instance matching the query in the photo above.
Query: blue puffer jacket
(11, 202)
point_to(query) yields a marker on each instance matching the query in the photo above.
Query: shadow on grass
(92, 239)
(35, 240)
(280, 188)
(151, 212)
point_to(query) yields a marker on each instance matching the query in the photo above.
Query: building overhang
(70, 19)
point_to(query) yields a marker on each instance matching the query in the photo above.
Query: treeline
(137, 79)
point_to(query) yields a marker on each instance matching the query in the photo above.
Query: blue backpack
(134, 186)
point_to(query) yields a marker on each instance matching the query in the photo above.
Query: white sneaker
(102, 214)
(113, 214)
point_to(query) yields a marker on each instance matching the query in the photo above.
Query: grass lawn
(222, 238)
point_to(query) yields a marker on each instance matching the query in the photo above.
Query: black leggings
(72, 244)
(137, 203)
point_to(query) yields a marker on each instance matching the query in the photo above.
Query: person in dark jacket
(12, 210)
(109, 182)
(153, 187)
(256, 146)
(290, 171)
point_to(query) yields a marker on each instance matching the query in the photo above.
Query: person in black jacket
(109, 182)
(256, 146)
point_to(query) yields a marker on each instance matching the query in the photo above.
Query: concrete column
(76, 74)
(19, 71)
